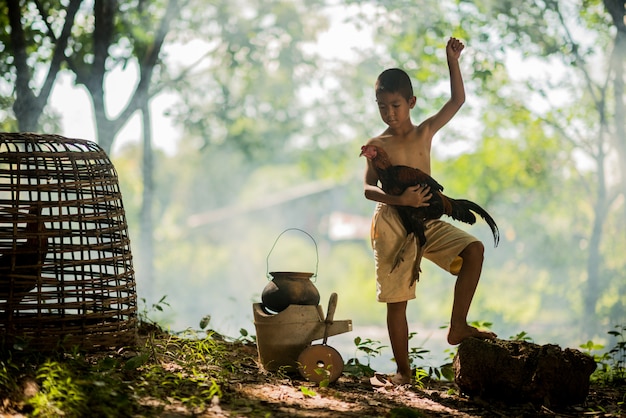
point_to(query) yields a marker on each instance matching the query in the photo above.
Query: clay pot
(289, 288)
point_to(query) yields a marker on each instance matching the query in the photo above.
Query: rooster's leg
(399, 258)
(417, 265)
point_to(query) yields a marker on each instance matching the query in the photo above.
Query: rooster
(20, 269)
(395, 179)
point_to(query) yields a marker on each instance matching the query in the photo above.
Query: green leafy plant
(204, 321)
(308, 392)
(371, 348)
(445, 371)
(144, 313)
(611, 364)
(481, 324)
(589, 347)
(323, 370)
(521, 336)
(245, 337)
(188, 367)
(184, 368)
(8, 371)
(420, 376)
(60, 391)
(416, 353)
(618, 353)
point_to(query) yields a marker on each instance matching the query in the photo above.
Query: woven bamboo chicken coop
(66, 273)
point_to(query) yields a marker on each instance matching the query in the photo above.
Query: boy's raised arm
(457, 90)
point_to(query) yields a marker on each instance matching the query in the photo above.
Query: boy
(452, 249)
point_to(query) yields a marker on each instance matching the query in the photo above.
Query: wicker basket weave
(66, 273)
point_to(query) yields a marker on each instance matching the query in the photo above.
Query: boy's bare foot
(399, 379)
(458, 334)
(389, 381)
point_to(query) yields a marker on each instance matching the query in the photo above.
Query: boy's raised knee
(475, 250)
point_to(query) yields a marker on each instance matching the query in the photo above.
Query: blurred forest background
(230, 121)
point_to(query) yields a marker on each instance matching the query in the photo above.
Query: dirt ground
(246, 389)
(254, 392)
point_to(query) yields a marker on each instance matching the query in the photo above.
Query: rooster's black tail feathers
(462, 211)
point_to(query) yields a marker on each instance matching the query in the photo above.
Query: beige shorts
(444, 243)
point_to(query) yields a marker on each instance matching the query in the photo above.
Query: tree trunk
(28, 106)
(594, 262)
(104, 28)
(103, 36)
(146, 244)
(618, 59)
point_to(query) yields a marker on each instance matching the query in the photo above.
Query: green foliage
(444, 371)
(308, 392)
(204, 321)
(323, 371)
(618, 352)
(183, 367)
(72, 386)
(8, 371)
(420, 376)
(521, 336)
(245, 337)
(186, 369)
(59, 392)
(249, 137)
(371, 348)
(246, 94)
(611, 364)
(528, 143)
(416, 353)
(145, 312)
(262, 115)
(190, 370)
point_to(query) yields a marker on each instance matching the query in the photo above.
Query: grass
(187, 369)
(193, 370)
(612, 363)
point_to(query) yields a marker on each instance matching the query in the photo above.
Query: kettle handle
(317, 256)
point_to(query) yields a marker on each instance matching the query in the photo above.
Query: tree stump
(519, 371)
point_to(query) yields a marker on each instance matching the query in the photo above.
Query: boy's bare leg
(464, 290)
(399, 336)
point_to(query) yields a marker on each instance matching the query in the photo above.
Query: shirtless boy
(449, 247)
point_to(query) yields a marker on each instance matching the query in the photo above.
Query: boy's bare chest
(413, 153)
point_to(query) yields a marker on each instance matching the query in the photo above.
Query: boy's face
(394, 108)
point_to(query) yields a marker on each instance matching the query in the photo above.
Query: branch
(148, 62)
(59, 49)
(565, 135)
(44, 17)
(581, 63)
(104, 13)
(24, 97)
(183, 74)
(616, 10)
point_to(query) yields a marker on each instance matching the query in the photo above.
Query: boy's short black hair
(395, 80)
